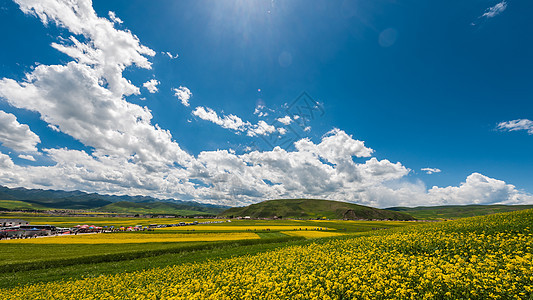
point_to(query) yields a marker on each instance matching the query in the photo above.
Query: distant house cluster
(20, 229)
(12, 222)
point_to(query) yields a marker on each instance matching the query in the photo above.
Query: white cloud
(285, 120)
(86, 99)
(5, 162)
(430, 170)
(515, 125)
(229, 122)
(26, 157)
(184, 94)
(495, 10)
(235, 123)
(107, 50)
(113, 17)
(480, 189)
(262, 128)
(170, 55)
(259, 111)
(16, 136)
(151, 85)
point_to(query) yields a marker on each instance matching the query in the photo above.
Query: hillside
(160, 208)
(456, 211)
(38, 199)
(313, 209)
(19, 205)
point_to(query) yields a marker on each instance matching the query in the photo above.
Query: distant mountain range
(314, 209)
(38, 199)
(58, 199)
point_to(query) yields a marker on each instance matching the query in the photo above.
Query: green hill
(456, 211)
(19, 205)
(160, 208)
(313, 209)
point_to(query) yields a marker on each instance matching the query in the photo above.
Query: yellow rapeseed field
(477, 258)
(241, 228)
(135, 238)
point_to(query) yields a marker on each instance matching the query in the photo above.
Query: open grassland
(488, 257)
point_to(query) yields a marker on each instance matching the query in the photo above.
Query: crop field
(135, 238)
(488, 257)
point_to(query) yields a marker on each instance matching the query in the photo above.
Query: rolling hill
(19, 205)
(160, 208)
(38, 199)
(456, 211)
(313, 209)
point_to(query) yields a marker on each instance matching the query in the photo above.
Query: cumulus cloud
(5, 163)
(495, 10)
(480, 189)
(127, 154)
(184, 94)
(151, 85)
(85, 97)
(16, 136)
(515, 125)
(430, 170)
(285, 120)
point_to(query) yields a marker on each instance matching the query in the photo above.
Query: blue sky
(234, 102)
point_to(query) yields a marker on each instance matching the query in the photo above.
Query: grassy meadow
(487, 257)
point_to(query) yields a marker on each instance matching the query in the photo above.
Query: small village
(21, 229)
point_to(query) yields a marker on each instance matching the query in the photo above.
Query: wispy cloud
(515, 125)
(430, 170)
(491, 12)
(170, 55)
(233, 122)
(495, 10)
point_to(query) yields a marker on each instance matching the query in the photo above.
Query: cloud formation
(430, 170)
(234, 123)
(183, 94)
(515, 125)
(16, 136)
(151, 86)
(113, 17)
(495, 10)
(128, 154)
